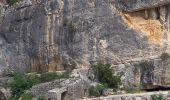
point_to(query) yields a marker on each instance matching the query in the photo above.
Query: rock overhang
(136, 5)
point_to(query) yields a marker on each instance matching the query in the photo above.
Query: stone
(73, 88)
(55, 35)
(107, 92)
(136, 5)
(5, 94)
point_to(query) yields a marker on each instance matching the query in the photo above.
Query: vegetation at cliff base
(23, 82)
(156, 97)
(165, 56)
(104, 75)
(97, 90)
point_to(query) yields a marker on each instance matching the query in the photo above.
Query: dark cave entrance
(63, 95)
(158, 88)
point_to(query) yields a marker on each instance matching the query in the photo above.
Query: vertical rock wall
(54, 35)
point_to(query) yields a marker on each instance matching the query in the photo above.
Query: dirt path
(146, 94)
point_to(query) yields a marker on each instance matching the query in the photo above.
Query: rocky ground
(136, 96)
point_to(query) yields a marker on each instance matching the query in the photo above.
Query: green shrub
(156, 97)
(19, 84)
(165, 56)
(26, 96)
(94, 92)
(23, 82)
(105, 76)
(41, 98)
(71, 27)
(11, 2)
(97, 90)
(101, 88)
(132, 91)
(46, 77)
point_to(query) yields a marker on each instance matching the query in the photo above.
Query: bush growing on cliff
(71, 27)
(18, 86)
(41, 98)
(26, 96)
(105, 76)
(165, 56)
(156, 97)
(11, 2)
(97, 90)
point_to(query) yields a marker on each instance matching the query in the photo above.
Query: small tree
(156, 97)
(19, 84)
(105, 76)
(165, 56)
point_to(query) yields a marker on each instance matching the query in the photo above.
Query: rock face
(57, 34)
(145, 75)
(136, 5)
(50, 35)
(69, 89)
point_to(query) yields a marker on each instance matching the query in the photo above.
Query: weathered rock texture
(50, 35)
(70, 89)
(136, 5)
(141, 96)
(145, 74)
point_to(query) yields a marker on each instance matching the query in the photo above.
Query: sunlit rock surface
(52, 35)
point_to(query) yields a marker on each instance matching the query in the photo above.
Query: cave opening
(158, 88)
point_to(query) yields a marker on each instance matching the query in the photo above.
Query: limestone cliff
(49, 35)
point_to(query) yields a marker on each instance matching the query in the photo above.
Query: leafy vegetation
(46, 77)
(41, 98)
(165, 56)
(71, 27)
(19, 84)
(156, 97)
(24, 82)
(105, 76)
(96, 91)
(26, 96)
(11, 2)
(132, 91)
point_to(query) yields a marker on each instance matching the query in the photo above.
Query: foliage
(19, 84)
(94, 92)
(101, 88)
(105, 76)
(71, 27)
(132, 91)
(23, 82)
(156, 97)
(165, 56)
(11, 2)
(41, 98)
(97, 90)
(46, 77)
(26, 96)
